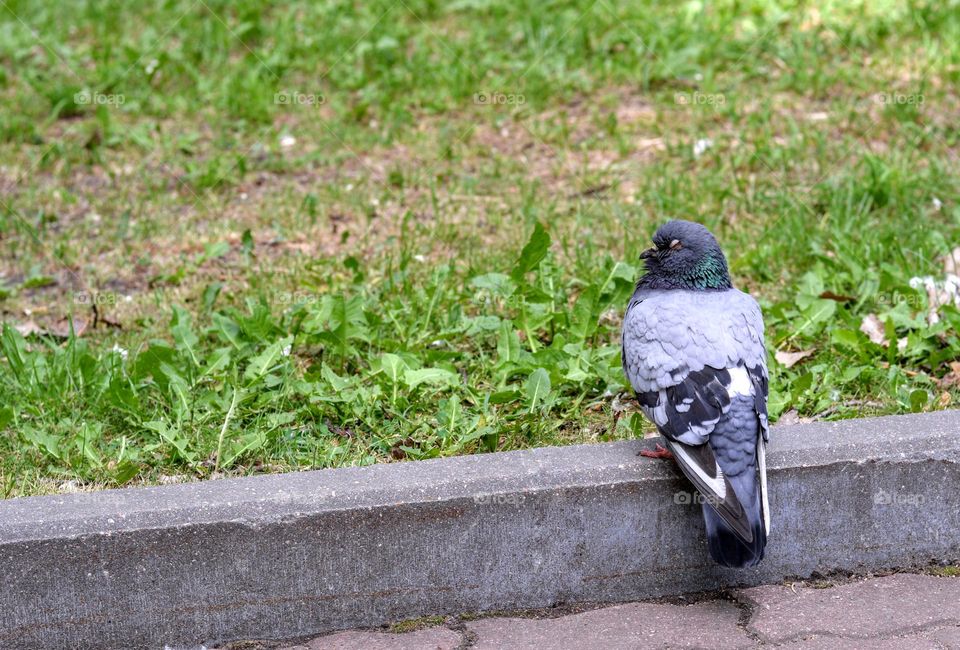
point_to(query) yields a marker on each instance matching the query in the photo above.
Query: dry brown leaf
(62, 328)
(651, 143)
(829, 295)
(944, 400)
(952, 378)
(29, 328)
(873, 328)
(790, 359)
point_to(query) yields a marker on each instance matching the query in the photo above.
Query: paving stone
(436, 638)
(910, 642)
(637, 625)
(880, 607)
(947, 637)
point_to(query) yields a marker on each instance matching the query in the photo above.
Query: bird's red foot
(659, 452)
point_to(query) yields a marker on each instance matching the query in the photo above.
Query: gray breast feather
(668, 334)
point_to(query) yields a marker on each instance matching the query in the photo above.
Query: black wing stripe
(695, 404)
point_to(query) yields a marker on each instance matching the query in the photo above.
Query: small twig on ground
(842, 405)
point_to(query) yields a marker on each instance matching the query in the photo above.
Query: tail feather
(726, 546)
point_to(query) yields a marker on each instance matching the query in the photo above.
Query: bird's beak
(650, 252)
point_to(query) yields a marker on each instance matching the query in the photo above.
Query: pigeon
(693, 351)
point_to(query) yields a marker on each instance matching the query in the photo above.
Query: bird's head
(685, 255)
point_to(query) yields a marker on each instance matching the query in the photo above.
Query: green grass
(412, 625)
(323, 234)
(946, 571)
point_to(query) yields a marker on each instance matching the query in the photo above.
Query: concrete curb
(291, 555)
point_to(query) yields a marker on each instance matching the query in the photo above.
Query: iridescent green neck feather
(710, 273)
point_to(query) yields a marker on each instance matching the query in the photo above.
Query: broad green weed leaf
(345, 322)
(268, 359)
(450, 415)
(848, 338)
(245, 444)
(533, 253)
(149, 361)
(432, 376)
(42, 440)
(184, 335)
(217, 361)
(918, 399)
(172, 437)
(508, 344)
(392, 366)
(497, 284)
(177, 387)
(586, 313)
(122, 396)
(336, 382)
(228, 329)
(125, 471)
(538, 387)
(7, 416)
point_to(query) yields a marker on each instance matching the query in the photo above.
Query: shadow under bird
(693, 351)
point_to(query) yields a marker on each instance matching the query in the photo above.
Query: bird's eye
(676, 245)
